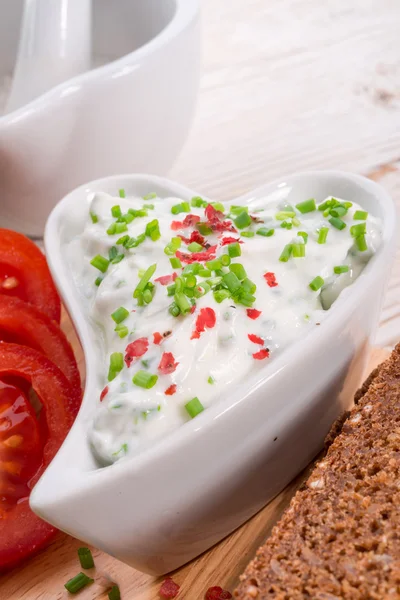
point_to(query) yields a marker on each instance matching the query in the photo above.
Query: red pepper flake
(157, 338)
(230, 240)
(215, 220)
(217, 593)
(261, 354)
(255, 339)
(205, 319)
(193, 309)
(270, 279)
(167, 363)
(136, 349)
(195, 236)
(170, 391)
(175, 225)
(104, 393)
(165, 279)
(174, 276)
(197, 256)
(169, 589)
(188, 221)
(253, 313)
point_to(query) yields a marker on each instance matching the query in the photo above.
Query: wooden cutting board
(43, 577)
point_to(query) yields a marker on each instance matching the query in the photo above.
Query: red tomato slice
(24, 273)
(21, 531)
(24, 324)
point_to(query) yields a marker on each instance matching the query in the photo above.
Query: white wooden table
(298, 84)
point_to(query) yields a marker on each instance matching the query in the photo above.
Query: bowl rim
(344, 306)
(185, 12)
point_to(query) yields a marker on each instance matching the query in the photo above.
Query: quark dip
(189, 297)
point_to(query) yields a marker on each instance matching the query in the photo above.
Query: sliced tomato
(21, 531)
(24, 273)
(24, 324)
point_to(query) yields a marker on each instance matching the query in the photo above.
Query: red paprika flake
(217, 593)
(176, 225)
(165, 279)
(193, 309)
(253, 313)
(215, 220)
(188, 221)
(255, 339)
(230, 240)
(170, 391)
(261, 354)
(157, 338)
(169, 589)
(167, 363)
(104, 393)
(136, 349)
(208, 254)
(205, 319)
(270, 279)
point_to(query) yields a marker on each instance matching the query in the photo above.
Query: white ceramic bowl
(133, 113)
(195, 486)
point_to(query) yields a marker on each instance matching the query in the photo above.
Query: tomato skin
(25, 324)
(21, 259)
(21, 531)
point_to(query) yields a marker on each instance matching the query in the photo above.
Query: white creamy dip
(236, 325)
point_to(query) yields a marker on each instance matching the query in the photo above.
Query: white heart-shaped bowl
(178, 498)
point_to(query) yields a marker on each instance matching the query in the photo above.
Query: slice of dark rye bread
(340, 536)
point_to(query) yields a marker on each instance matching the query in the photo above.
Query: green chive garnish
(147, 295)
(211, 380)
(359, 215)
(221, 295)
(150, 196)
(242, 220)
(237, 210)
(205, 272)
(195, 247)
(304, 235)
(322, 235)
(296, 222)
(175, 263)
(173, 246)
(127, 218)
(218, 206)
(98, 281)
(111, 229)
(338, 211)
(225, 260)
(306, 206)
(358, 229)
(325, 205)
(284, 214)
(190, 281)
(182, 302)
(121, 193)
(248, 286)
(214, 265)
(198, 202)
(171, 289)
(121, 330)
(234, 250)
(144, 281)
(286, 253)
(134, 242)
(180, 208)
(137, 213)
(116, 211)
(337, 223)
(248, 234)
(239, 270)
(361, 243)
(265, 232)
(316, 283)
(231, 281)
(114, 593)
(340, 269)
(298, 250)
(144, 379)
(194, 407)
(77, 583)
(120, 314)
(85, 558)
(100, 263)
(94, 217)
(122, 240)
(116, 365)
(174, 310)
(153, 230)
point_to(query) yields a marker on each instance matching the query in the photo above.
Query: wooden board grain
(42, 577)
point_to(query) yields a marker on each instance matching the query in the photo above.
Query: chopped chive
(120, 314)
(213, 281)
(237, 210)
(358, 229)
(134, 242)
(171, 289)
(328, 204)
(225, 260)
(175, 263)
(245, 299)
(195, 247)
(137, 213)
(111, 229)
(286, 253)
(203, 228)
(144, 280)
(112, 253)
(234, 250)
(121, 193)
(85, 558)
(361, 243)
(193, 268)
(248, 286)
(77, 583)
(304, 235)
(122, 240)
(153, 230)
(298, 250)
(239, 270)
(218, 206)
(94, 217)
(231, 281)
(205, 272)
(248, 234)
(242, 220)
(116, 211)
(221, 295)
(144, 379)
(286, 225)
(340, 269)
(98, 281)
(180, 208)
(172, 246)
(182, 302)
(284, 214)
(214, 264)
(179, 284)
(116, 365)
(174, 310)
(322, 235)
(359, 215)
(121, 330)
(337, 223)
(150, 196)
(198, 202)
(316, 283)
(114, 593)
(121, 227)
(338, 211)
(149, 206)
(211, 380)
(306, 206)
(265, 232)
(100, 263)
(190, 281)
(127, 218)
(194, 407)
(147, 296)
(296, 222)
